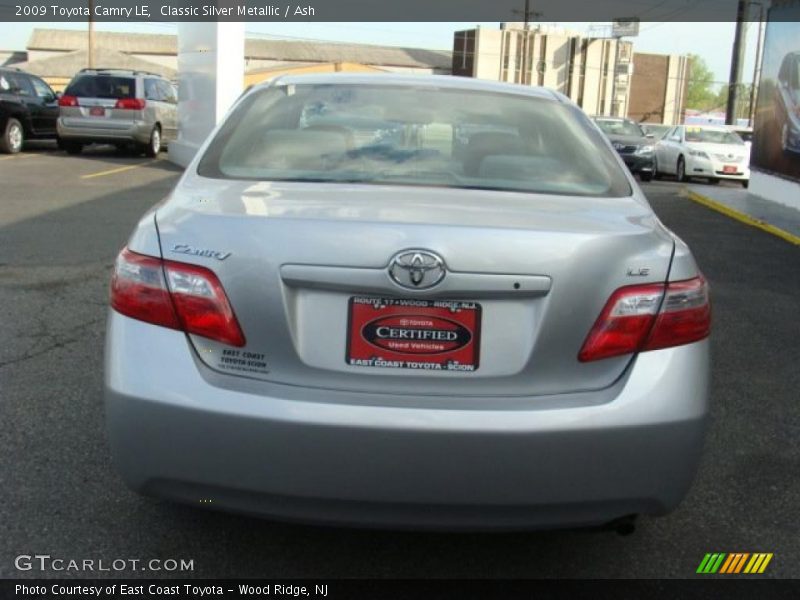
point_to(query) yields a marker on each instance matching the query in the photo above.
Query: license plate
(431, 335)
(97, 111)
(729, 169)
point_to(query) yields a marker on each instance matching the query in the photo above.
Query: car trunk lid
(297, 260)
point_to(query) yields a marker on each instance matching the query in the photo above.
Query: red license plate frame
(97, 111)
(729, 169)
(430, 335)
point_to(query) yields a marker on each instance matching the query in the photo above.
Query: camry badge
(416, 269)
(187, 249)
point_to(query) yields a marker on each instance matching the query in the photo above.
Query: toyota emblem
(416, 269)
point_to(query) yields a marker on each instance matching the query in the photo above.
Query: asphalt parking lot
(62, 221)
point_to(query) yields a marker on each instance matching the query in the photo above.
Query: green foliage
(700, 90)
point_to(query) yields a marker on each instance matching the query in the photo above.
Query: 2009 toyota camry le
(425, 302)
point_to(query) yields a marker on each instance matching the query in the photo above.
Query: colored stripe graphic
(727, 564)
(734, 563)
(767, 558)
(711, 563)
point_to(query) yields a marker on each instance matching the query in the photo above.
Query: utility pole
(756, 66)
(90, 53)
(737, 61)
(527, 13)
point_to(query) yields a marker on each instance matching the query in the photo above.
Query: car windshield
(619, 127)
(386, 134)
(712, 136)
(102, 86)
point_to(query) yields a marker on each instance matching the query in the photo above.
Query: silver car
(113, 106)
(408, 301)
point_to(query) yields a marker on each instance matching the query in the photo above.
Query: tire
(746, 183)
(680, 170)
(154, 146)
(645, 177)
(713, 181)
(13, 137)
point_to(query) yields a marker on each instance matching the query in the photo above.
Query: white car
(713, 152)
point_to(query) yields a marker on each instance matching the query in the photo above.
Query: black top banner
(372, 10)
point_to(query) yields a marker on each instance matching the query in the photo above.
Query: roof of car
(433, 81)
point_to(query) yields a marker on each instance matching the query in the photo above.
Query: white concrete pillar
(210, 79)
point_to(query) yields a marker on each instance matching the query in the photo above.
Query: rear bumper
(335, 457)
(87, 130)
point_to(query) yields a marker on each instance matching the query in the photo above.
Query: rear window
(413, 136)
(102, 86)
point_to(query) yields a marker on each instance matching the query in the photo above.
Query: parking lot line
(17, 156)
(117, 170)
(740, 216)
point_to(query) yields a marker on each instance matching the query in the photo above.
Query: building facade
(57, 54)
(658, 88)
(599, 74)
(593, 72)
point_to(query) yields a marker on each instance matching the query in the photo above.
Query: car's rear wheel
(646, 176)
(13, 137)
(745, 183)
(680, 170)
(154, 146)
(713, 180)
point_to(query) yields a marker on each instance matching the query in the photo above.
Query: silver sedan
(408, 301)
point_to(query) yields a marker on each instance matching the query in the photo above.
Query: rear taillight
(191, 298)
(130, 104)
(68, 101)
(648, 317)
(685, 315)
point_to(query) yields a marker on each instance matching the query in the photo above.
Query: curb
(742, 217)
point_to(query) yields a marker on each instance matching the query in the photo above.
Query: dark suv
(28, 109)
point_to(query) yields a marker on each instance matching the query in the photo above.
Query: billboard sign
(627, 27)
(776, 133)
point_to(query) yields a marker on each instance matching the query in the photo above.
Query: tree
(742, 106)
(700, 88)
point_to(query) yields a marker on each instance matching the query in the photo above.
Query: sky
(712, 41)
